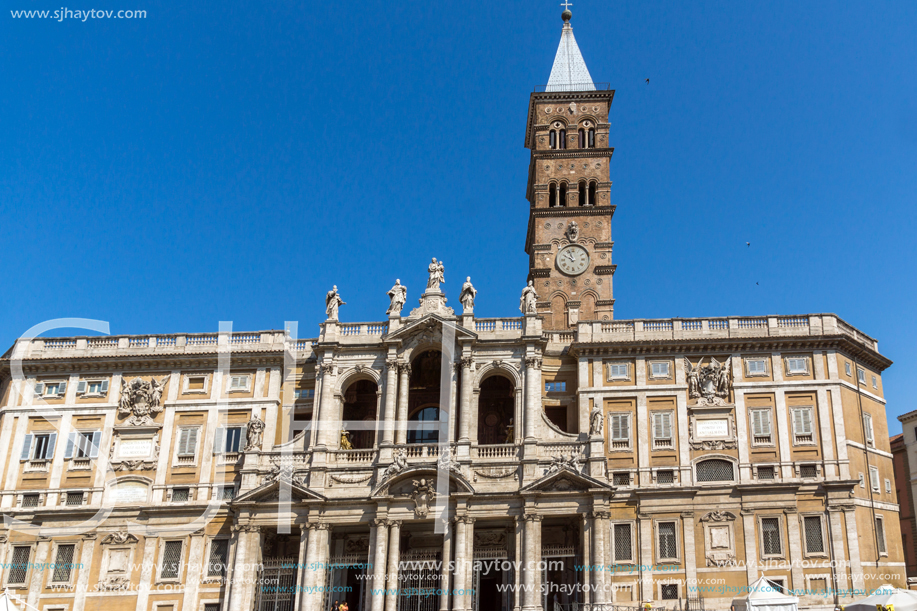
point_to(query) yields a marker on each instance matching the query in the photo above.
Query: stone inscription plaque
(712, 428)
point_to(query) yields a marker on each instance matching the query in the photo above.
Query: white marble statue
(468, 294)
(332, 302)
(528, 299)
(437, 276)
(398, 294)
(254, 434)
(596, 421)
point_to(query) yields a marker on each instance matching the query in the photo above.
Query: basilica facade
(436, 461)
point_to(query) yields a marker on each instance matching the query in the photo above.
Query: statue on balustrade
(398, 295)
(510, 432)
(332, 302)
(346, 444)
(437, 274)
(528, 299)
(467, 296)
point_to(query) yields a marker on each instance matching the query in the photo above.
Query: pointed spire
(569, 72)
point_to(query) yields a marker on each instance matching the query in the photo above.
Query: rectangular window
(756, 367)
(19, 565)
(171, 560)
(779, 584)
(761, 429)
(874, 478)
(862, 481)
(39, 447)
(867, 427)
(802, 425)
(63, 564)
(623, 543)
(665, 476)
(662, 430)
(238, 383)
(765, 473)
(668, 591)
(304, 393)
(74, 498)
(875, 383)
(216, 565)
(83, 444)
(619, 429)
(233, 439)
(848, 370)
(861, 375)
(660, 369)
(30, 500)
(51, 389)
(196, 384)
(618, 371)
(92, 387)
(555, 386)
(797, 365)
(187, 442)
(667, 542)
(211, 606)
(228, 493)
(813, 532)
(770, 537)
(181, 495)
(621, 479)
(808, 471)
(888, 486)
(880, 535)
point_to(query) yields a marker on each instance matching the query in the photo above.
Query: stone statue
(596, 421)
(423, 494)
(447, 462)
(398, 294)
(254, 434)
(693, 374)
(510, 432)
(345, 440)
(467, 296)
(559, 463)
(710, 384)
(572, 231)
(140, 400)
(722, 380)
(332, 302)
(528, 299)
(437, 274)
(400, 464)
(156, 388)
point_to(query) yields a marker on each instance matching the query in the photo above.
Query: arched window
(715, 470)
(360, 408)
(582, 193)
(428, 429)
(563, 194)
(592, 189)
(582, 138)
(592, 138)
(552, 139)
(563, 139)
(496, 404)
(552, 195)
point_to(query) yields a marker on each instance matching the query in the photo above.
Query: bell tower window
(592, 189)
(552, 195)
(582, 194)
(552, 139)
(563, 194)
(591, 140)
(563, 139)
(582, 138)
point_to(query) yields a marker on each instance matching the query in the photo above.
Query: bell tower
(569, 191)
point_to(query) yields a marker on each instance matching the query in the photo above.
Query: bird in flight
(748, 244)
(647, 81)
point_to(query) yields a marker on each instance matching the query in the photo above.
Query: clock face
(573, 260)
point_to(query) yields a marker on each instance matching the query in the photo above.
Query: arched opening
(587, 307)
(715, 470)
(552, 195)
(552, 139)
(559, 312)
(563, 194)
(423, 398)
(496, 405)
(563, 139)
(582, 193)
(592, 189)
(359, 415)
(591, 139)
(582, 138)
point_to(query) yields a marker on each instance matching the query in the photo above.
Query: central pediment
(431, 326)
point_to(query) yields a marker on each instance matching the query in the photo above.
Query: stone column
(465, 408)
(795, 549)
(853, 547)
(468, 584)
(378, 582)
(836, 526)
(391, 383)
(445, 574)
(82, 582)
(394, 556)
(530, 561)
(401, 424)
(36, 576)
(646, 558)
(599, 529)
(242, 586)
(319, 564)
(453, 399)
(149, 566)
(326, 415)
(532, 396)
(751, 546)
(690, 553)
(643, 438)
(587, 529)
(461, 531)
(298, 604)
(539, 574)
(519, 557)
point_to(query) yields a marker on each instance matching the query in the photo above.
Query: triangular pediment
(270, 492)
(431, 324)
(565, 480)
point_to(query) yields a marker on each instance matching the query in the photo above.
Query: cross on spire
(567, 4)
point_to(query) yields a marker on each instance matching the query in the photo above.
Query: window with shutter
(874, 478)
(802, 425)
(660, 369)
(623, 544)
(63, 564)
(867, 426)
(238, 383)
(861, 376)
(618, 371)
(620, 431)
(662, 430)
(847, 369)
(41, 447)
(81, 387)
(770, 537)
(756, 367)
(797, 366)
(813, 532)
(216, 566)
(171, 560)
(187, 442)
(233, 439)
(666, 541)
(880, 535)
(19, 565)
(761, 426)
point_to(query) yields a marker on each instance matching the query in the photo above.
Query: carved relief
(422, 495)
(708, 385)
(140, 400)
(119, 538)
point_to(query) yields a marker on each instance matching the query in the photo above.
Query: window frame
(877, 486)
(208, 577)
(186, 383)
(82, 440)
(633, 552)
(869, 434)
(660, 559)
(242, 389)
(627, 417)
(848, 369)
(24, 584)
(161, 555)
(671, 436)
(667, 583)
(86, 383)
(805, 542)
(812, 426)
(875, 383)
(660, 376)
(177, 455)
(881, 535)
(611, 377)
(41, 389)
(861, 376)
(805, 369)
(756, 468)
(555, 384)
(718, 482)
(781, 537)
(771, 441)
(756, 374)
(73, 563)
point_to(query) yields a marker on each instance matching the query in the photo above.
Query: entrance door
(562, 591)
(419, 585)
(345, 584)
(276, 584)
(489, 578)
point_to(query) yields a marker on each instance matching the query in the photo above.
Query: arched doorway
(423, 398)
(359, 415)
(496, 405)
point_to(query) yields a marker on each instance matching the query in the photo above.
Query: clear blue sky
(232, 160)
